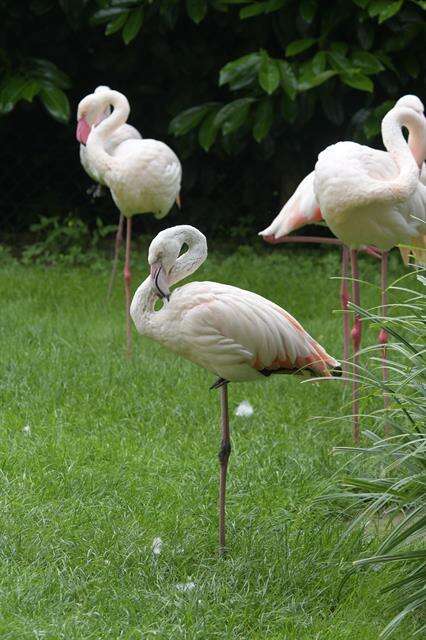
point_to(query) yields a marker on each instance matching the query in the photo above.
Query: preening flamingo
(125, 132)
(144, 176)
(368, 197)
(235, 334)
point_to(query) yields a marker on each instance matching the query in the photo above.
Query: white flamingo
(144, 176)
(367, 197)
(235, 334)
(125, 132)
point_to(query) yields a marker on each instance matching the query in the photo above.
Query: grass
(100, 455)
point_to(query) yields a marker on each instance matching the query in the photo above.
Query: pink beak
(83, 130)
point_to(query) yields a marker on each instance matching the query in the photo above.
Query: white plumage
(117, 137)
(236, 334)
(143, 175)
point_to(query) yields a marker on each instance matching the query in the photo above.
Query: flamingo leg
(356, 334)
(383, 335)
(224, 452)
(344, 298)
(127, 283)
(118, 243)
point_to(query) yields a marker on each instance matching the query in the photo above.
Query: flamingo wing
(301, 209)
(239, 335)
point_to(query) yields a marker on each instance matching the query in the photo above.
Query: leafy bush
(65, 242)
(396, 494)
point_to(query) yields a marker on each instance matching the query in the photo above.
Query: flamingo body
(363, 200)
(236, 334)
(145, 179)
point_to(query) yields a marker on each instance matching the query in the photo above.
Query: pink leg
(356, 341)
(383, 336)
(118, 243)
(127, 282)
(344, 297)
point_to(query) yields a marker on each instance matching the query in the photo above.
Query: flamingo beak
(83, 130)
(159, 278)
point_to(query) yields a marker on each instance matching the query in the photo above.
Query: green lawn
(99, 456)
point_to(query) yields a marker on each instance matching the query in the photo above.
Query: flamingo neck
(396, 145)
(102, 132)
(187, 263)
(142, 307)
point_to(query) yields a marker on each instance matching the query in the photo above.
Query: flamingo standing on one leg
(144, 176)
(125, 132)
(235, 334)
(375, 197)
(304, 208)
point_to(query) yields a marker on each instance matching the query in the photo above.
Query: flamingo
(235, 334)
(367, 197)
(125, 132)
(144, 176)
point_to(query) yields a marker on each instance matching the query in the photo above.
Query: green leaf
(288, 78)
(308, 9)
(133, 25)
(411, 64)
(263, 119)
(189, 119)
(269, 76)
(297, 46)
(358, 81)
(366, 62)
(338, 61)
(56, 102)
(389, 11)
(253, 9)
(11, 92)
(339, 47)
(233, 115)
(319, 62)
(116, 24)
(239, 73)
(208, 131)
(49, 72)
(361, 3)
(314, 80)
(384, 9)
(196, 10)
(31, 89)
(105, 15)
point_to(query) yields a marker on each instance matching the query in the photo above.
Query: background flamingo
(375, 197)
(305, 207)
(235, 334)
(144, 176)
(125, 132)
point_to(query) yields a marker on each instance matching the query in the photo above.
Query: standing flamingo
(375, 197)
(235, 334)
(125, 132)
(303, 209)
(306, 206)
(144, 176)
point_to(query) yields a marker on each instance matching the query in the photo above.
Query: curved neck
(396, 145)
(188, 262)
(142, 307)
(100, 134)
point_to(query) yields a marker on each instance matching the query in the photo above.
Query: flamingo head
(91, 111)
(163, 254)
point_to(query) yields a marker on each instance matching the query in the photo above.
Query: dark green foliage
(272, 82)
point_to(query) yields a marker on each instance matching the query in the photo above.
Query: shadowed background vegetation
(247, 93)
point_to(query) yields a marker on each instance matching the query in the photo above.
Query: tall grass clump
(391, 492)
